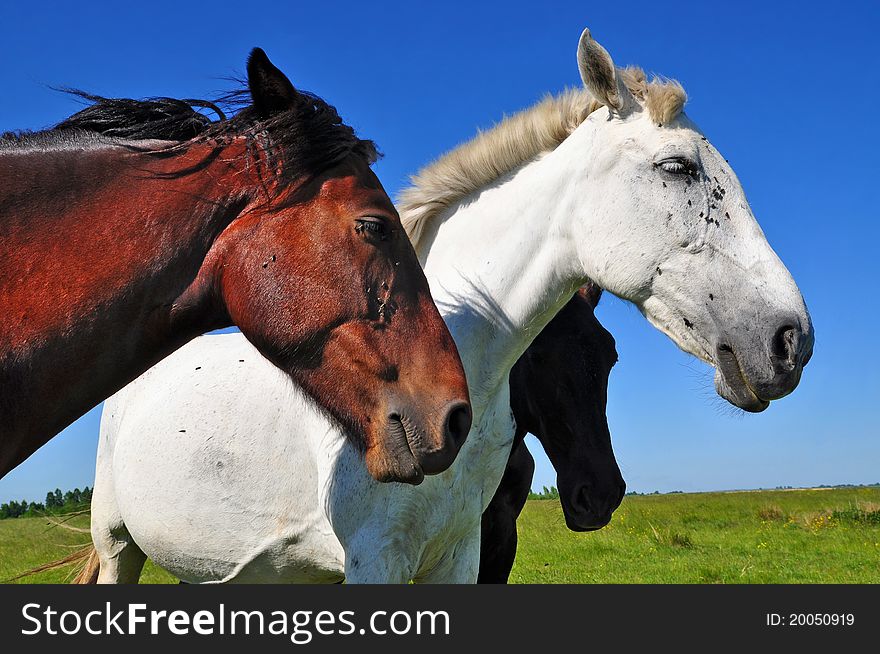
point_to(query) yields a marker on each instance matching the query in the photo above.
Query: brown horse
(558, 391)
(134, 226)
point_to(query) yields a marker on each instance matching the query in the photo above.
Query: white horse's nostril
(785, 346)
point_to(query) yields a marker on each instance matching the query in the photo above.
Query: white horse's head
(667, 226)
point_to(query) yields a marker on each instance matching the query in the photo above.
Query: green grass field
(26, 543)
(797, 536)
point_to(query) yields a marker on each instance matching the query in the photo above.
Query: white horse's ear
(601, 77)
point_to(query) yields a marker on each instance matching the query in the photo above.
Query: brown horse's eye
(372, 227)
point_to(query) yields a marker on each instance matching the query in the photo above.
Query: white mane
(514, 141)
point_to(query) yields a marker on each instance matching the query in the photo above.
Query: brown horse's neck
(96, 244)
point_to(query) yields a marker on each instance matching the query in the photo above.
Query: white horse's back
(214, 424)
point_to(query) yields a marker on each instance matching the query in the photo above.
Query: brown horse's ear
(270, 89)
(591, 292)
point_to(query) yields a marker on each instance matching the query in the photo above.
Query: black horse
(558, 392)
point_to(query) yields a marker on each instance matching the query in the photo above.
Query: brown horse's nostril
(433, 445)
(458, 423)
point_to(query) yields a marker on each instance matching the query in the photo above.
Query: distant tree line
(656, 492)
(546, 494)
(56, 503)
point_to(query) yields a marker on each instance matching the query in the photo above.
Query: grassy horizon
(779, 536)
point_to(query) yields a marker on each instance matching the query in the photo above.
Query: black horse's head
(558, 392)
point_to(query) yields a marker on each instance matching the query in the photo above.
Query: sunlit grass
(26, 543)
(798, 536)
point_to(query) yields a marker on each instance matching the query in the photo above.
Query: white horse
(612, 183)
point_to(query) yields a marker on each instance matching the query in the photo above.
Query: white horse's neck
(501, 264)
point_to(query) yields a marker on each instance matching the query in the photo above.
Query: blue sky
(788, 92)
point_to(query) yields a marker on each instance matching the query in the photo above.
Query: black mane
(310, 137)
(165, 119)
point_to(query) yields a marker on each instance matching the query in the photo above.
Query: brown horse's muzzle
(415, 442)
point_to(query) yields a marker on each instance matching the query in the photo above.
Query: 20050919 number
(811, 620)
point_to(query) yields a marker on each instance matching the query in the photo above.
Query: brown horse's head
(318, 273)
(558, 391)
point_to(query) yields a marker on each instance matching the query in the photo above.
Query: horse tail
(88, 574)
(85, 563)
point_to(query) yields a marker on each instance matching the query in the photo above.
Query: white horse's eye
(673, 166)
(676, 166)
